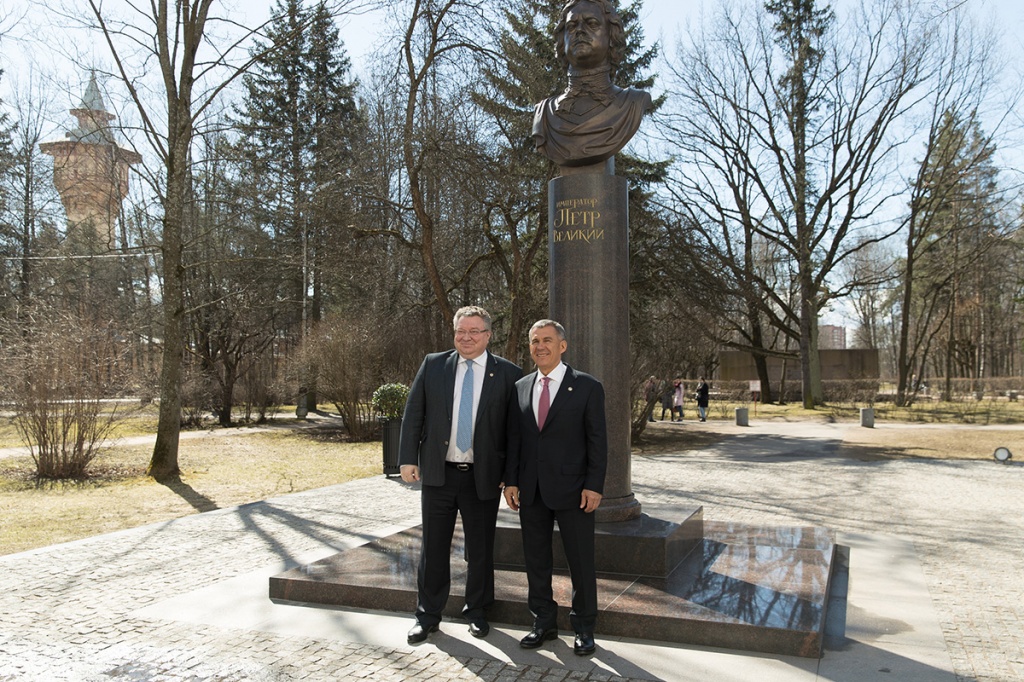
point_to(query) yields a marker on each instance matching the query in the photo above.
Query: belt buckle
(462, 466)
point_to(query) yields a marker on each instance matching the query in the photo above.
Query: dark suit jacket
(427, 422)
(570, 454)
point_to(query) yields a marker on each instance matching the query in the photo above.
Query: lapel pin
(570, 388)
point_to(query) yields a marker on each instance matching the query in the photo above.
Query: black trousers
(577, 531)
(439, 505)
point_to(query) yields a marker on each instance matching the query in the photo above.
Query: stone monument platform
(742, 587)
(652, 545)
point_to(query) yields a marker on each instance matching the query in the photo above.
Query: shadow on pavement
(198, 501)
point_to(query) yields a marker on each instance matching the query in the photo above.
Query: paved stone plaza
(934, 585)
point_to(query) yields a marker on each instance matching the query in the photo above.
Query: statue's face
(586, 36)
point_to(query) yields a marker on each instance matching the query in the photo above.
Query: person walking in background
(454, 439)
(678, 396)
(703, 392)
(667, 398)
(555, 472)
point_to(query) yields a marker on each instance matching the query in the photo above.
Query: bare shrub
(196, 399)
(640, 371)
(260, 394)
(726, 396)
(58, 372)
(347, 356)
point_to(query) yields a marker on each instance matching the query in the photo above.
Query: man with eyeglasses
(454, 439)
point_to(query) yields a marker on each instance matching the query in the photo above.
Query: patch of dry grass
(933, 442)
(217, 472)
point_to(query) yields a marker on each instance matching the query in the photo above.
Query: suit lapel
(526, 399)
(488, 387)
(450, 366)
(564, 394)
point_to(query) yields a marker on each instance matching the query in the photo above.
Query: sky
(663, 20)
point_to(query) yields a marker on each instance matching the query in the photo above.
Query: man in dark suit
(555, 471)
(454, 439)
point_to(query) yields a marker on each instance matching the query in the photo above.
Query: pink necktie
(544, 404)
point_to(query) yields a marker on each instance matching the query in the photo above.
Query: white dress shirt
(556, 376)
(479, 368)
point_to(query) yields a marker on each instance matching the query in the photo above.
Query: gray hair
(559, 329)
(472, 311)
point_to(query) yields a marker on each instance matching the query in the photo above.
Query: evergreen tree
(962, 226)
(298, 122)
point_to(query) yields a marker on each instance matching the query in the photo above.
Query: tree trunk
(178, 89)
(164, 463)
(760, 359)
(903, 350)
(227, 395)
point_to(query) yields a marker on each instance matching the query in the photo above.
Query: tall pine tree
(298, 122)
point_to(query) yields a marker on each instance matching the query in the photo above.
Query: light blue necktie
(464, 434)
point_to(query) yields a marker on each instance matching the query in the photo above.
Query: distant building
(831, 337)
(90, 169)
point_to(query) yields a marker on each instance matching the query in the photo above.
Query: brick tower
(90, 170)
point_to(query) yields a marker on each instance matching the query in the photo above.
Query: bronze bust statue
(593, 118)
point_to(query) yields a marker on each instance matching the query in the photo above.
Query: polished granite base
(651, 545)
(746, 587)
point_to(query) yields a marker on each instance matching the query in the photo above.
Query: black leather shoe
(479, 628)
(419, 633)
(537, 636)
(584, 644)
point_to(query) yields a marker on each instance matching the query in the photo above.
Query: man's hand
(410, 473)
(589, 500)
(512, 497)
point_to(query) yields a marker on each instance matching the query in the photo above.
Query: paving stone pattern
(66, 612)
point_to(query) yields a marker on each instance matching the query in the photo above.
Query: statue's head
(613, 23)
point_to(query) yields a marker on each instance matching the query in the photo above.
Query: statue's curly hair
(616, 34)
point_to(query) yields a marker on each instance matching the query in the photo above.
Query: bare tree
(57, 369)
(437, 34)
(787, 129)
(24, 182)
(194, 69)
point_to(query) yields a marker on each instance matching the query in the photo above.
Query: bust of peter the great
(593, 118)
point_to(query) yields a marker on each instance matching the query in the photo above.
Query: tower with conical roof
(90, 169)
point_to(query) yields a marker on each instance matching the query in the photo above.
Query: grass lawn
(217, 471)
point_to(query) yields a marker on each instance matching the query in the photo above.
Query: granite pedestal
(646, 546)
(588, 292)
(742, 587)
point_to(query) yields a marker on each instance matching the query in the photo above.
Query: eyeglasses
(472, 333)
